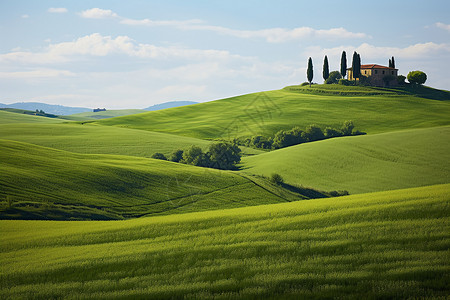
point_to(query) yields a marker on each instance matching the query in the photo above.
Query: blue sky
(133, 54)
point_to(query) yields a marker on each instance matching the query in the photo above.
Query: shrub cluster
(295, 136)
(221, 155)
(346, 82)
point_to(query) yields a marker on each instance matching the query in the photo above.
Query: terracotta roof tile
(374, 66)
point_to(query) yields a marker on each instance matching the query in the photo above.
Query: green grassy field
(266, 113)
(45, 183)
(375, 246)
(335, 89)
(7, 117)
(362, 164)
(94, 139)
(106, 114)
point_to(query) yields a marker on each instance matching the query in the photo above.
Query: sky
(134, 54)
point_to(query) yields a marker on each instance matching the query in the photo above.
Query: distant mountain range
(169, 105)
(48, 108)
(67, 110)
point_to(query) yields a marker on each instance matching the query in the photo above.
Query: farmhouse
(377, 75)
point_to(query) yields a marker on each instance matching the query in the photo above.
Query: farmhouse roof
(374, 66)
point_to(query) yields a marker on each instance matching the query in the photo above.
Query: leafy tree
(417, 77)
(176, 156)
(194, 156)
(331, 132)
(310, 72)
(401, 79)
(158, 155)
(347, 128)
(314, 133)
(224, 155)
(343, 64)
(333, 78)
(326, 69)
(276, 178)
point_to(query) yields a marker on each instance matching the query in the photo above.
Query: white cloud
(148, 22)
(278, 35)
(98, 13)
(25, 16)
(443, 26)
(367, 51)
(57, 10)
(271, 35)
(40, 73)
(98, 45)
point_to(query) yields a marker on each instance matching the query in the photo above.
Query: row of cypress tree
(356, 67)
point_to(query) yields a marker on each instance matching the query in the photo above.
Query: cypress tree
(390, 63)
(309, 72)
(354, 65)
(326, 69)
(343, 64)
(393, 62)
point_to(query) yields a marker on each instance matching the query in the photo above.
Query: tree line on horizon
(414, 77)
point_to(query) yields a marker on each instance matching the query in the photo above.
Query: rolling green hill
(362, 164)
(44, 183)
(7, 117)
(93, 139)
(383, 245)
(266, 113)
(106, 114)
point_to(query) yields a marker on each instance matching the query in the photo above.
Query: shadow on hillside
(423, 92)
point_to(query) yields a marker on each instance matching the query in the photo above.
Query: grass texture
(106, 114)
(8, 117)
(362, 164)
(44, 183)
(374, 246)
(268, 112)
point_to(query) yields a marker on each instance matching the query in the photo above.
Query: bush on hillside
(158, 155)
(345, 82)
(333, 78)
(295, 136)
(276, 178)
(304, 83)
(195, 156)
(314, 133)
(347, 128)
(401, 79)
(260, 141)
(331, 132)
(223, 155)
(339, 193)
(176, 156)
(417, 77)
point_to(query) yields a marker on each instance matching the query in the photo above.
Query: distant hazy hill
(48, 108)
(170, 104)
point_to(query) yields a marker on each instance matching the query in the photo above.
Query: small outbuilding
(377, 75)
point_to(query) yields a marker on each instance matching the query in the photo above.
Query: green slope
(106, 114)
(52, 184)
(93, 139)
(363, 163)
(267, 112)
(7, 117)
(386, 245)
